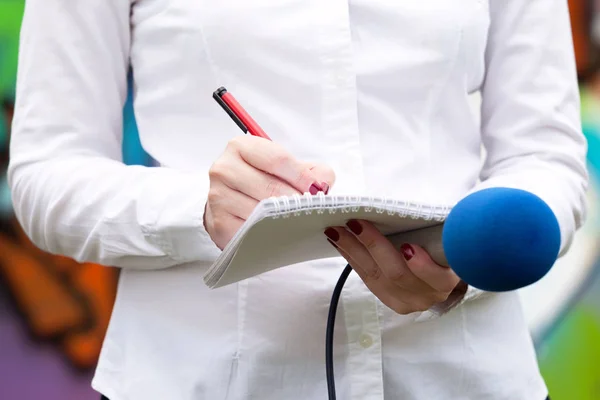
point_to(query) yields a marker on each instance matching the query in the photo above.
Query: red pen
(238, 114)
(249, 125)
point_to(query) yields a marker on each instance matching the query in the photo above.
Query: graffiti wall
(54, 311)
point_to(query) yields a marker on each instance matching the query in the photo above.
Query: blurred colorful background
(54, 312)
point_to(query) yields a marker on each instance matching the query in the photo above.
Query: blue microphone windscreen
(501, 239)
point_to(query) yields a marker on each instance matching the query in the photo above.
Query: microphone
(501, 239)
(496, 239)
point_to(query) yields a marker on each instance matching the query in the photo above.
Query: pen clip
(217, 96)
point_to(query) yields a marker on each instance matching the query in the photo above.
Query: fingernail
(325, 187)
(314, 189)
(354, 226)
(407, 251)
(332, 243)
(332, 234)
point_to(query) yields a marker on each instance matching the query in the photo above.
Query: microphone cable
(335, 297)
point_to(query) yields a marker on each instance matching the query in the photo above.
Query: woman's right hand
(252, 169)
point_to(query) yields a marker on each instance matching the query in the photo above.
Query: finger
(386, 256)
(324, 174)
(231, 201)
(240, 176)
(388, 293)
(273, 159)
(422, 266)
(362, 260)
(355, 266)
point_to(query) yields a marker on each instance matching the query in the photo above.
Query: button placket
(364, 364)
(340, 116)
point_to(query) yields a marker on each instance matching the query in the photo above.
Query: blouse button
(365, 341)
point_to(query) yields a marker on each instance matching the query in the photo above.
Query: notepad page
(289, 230)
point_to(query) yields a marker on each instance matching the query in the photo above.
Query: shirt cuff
(177, 225)
(461, 294)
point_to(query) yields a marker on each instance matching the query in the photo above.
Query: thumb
(324, 175)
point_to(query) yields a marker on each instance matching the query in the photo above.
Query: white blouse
(377, 89)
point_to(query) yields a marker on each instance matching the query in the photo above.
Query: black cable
(335, 297)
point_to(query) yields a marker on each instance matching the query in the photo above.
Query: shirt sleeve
(530, 113)
(71, 192)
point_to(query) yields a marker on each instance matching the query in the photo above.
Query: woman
(373, 94)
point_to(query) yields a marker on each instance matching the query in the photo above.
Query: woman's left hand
(406, 281)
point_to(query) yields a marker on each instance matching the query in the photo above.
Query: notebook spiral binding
(287, 206)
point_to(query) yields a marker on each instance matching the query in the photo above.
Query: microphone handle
(429, 238)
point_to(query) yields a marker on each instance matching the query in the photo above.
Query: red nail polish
(407, 251)
(325, 187)
(314, 189)
(332, 234)
(354, 226)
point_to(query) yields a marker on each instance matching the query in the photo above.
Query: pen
(238, 114)
(249, 125)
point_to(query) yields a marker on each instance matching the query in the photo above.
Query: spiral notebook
(283, 231)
